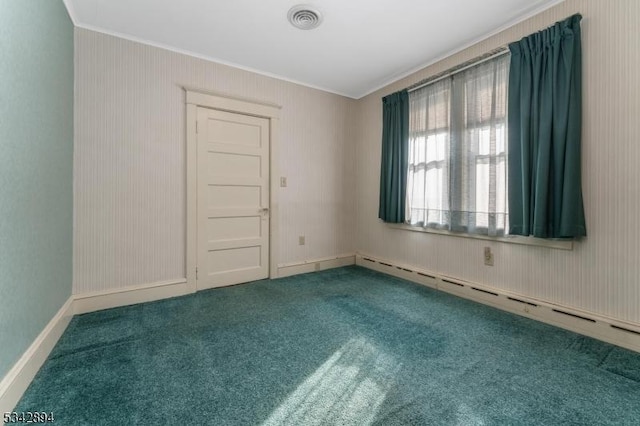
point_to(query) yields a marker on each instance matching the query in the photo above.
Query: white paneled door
(233, 198)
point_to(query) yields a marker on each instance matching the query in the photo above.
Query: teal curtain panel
(544, 125)
(395, 156)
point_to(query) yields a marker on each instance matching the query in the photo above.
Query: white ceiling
(362, 45)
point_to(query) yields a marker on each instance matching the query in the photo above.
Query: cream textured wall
(129, 161)
(601, 274)
(129, 169)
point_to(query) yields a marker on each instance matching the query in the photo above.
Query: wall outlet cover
(488, 256)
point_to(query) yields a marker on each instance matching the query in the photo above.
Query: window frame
(558, 243)
(451, 93)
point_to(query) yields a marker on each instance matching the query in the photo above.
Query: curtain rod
(503, 50)
(462, 67)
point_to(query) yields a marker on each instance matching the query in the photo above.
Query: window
(457, 171)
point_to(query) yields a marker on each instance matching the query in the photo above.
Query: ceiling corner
(71, 11)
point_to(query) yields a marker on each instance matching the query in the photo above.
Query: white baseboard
(18, 379)
(90, 302)
(626, 335)
(289, 269)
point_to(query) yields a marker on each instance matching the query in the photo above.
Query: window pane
(501, 139)
(441, 146)
(484, 141)
(482, 192)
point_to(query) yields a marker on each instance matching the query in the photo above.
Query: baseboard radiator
(304, 267)
(619, 333)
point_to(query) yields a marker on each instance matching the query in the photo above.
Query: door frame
(200, 99)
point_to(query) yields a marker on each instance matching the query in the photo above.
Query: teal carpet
(347, 346)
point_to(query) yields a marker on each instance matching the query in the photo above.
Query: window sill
(513, 239)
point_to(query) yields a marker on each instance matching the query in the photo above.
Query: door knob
(264, 210)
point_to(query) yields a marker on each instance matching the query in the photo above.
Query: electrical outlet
(488, 256)
(317, 266)
(301, 240)
(283, 182)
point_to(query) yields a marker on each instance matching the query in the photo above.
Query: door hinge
(196, 127)
(196, 273)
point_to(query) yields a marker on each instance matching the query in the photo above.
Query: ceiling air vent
(304, 17)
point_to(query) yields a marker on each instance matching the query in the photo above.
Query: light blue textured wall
(36, 159)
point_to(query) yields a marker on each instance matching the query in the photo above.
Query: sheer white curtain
(457, 152)
(429, 140)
